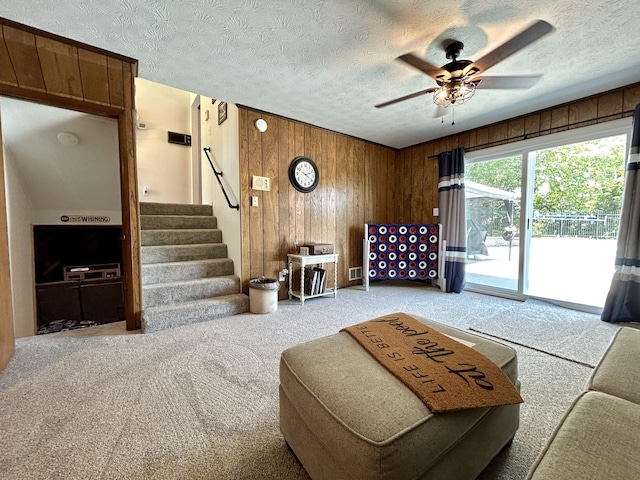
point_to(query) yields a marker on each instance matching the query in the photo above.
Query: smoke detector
(261, 125)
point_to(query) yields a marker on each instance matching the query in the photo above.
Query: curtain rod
(626, 113)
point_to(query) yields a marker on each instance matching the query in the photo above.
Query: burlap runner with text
(442, 372)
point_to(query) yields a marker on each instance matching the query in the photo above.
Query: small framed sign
(222, 112)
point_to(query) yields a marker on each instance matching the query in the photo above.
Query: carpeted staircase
(186, 275)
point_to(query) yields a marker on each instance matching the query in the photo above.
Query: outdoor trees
(581, 180)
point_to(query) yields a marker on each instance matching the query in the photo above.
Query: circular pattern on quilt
(403, 251)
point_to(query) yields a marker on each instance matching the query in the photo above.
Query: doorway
(543, 216)
(62, 177)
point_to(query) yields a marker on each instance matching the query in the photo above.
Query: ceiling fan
(457, 80)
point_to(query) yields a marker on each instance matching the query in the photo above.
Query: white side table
(301, 261)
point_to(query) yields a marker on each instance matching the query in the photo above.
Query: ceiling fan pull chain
(453, 113)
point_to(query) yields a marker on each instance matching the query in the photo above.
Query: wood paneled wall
(353, 190)
(600, 108)
(35, 65)
(362, 182)
(45, 68)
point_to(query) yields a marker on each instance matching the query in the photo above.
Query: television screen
(59, 246)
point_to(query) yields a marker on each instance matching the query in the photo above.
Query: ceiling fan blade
(516, 81)
(529, 35)
(407, 97)
(416, 62)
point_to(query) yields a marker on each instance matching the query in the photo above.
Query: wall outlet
(283, 274)
(436, 212)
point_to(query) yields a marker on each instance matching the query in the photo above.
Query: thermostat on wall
(261, 183)
(180, 138)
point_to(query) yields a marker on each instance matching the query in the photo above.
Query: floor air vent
(355, 273)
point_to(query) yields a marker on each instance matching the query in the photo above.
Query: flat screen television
(59, 246)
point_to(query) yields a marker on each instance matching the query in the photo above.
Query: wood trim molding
(130, 207)
(7, 342)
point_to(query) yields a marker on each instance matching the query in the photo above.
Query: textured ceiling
(328, 62)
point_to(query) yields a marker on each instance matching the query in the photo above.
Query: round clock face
(303, 174)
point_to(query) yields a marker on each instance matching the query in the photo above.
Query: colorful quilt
(403, 251)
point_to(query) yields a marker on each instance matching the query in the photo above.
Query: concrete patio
(575, 270)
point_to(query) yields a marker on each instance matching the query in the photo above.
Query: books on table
(315, 280)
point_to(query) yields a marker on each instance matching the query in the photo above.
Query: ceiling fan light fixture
(68, 139)
(454, 93)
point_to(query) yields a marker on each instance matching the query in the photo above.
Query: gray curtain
(453, 217)
(623, 301)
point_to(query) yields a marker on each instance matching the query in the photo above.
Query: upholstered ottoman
(346, 417)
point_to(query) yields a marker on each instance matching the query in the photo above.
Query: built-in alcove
(78, 276)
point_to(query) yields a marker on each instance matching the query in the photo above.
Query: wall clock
(303, 174)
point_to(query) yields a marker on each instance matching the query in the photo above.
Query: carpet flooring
(201, 401)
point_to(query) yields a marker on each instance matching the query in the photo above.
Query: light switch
(436, 212)
(254, 201)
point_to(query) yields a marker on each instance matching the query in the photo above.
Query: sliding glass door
(493, 190)
(577, 197)
(542, 218)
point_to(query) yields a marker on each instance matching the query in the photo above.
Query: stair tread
(161, 208)
(175, 215)
(193, 303)
(183, 230)
(194, 281)
(190, 262)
